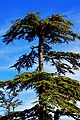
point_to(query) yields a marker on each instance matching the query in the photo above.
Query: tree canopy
(9, 99)
(56, 93)
(52, 30)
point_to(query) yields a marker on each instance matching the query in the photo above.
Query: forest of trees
(57, 95)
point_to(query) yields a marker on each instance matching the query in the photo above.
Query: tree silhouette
(56, 94)
(9, 99)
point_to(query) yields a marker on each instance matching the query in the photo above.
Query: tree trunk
(42, 109)
(40, 51)
(56, 115)
(13, 108)
(8, 108)
(42, 106)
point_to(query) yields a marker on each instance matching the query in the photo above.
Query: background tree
(45, 33)
(9, 99)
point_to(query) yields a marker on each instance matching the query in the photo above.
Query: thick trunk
(56, 115)
(8, 108)
(41, 88)
(40, 51)
(13, 108)
(43, 106)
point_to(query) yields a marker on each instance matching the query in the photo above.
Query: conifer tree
(9, 99)
(56, 94)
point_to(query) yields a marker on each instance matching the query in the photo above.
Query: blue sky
(13, 9)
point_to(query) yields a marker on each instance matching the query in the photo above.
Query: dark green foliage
(50, 31)
(59, 92)
(61, 60)
(57, 95)
(9, 99)
(54, 29)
